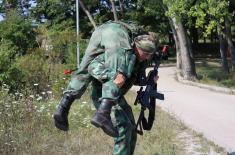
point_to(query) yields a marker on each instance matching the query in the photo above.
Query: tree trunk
(87, 13)
(177, 47)
(114, 10)
(191, 54)
(122, 7)
(223, 47)
(194, 36)
(188, 65)
(230, 42)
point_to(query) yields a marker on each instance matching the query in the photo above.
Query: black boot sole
(98, 125)
(59, 124)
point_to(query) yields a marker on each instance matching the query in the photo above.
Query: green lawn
(210, 72)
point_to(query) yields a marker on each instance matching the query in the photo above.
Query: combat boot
(102, 118)
(61, 114)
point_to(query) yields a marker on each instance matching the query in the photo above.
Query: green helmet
(147, 43)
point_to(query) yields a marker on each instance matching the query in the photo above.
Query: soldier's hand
(156, 79)
(119, 80)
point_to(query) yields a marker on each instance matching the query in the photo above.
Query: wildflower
(7, 105)
(67, 71)
(93, 108)
(43, 93)
(39, 98)
(49, 92)
(35, 84)
(6, 89)
(41, 109)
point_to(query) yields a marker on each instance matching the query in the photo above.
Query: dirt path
(208, 112)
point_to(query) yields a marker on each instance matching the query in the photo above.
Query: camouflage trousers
(109, 39)
(122, 118)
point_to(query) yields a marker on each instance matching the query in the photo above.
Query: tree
(228, 33)
(87, 13)
(176, 10)
(121, 5)
(19, 31)
(114, 10)
(213, 15)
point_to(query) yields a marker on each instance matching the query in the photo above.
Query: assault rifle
(147, 96)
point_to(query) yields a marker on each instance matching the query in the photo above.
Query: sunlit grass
(27, 128)
(211, 73)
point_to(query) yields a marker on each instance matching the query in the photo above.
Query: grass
(26, 128)
(210, 72)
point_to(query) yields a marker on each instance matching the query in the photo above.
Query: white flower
(93, 108)
(49, 92)
(31, 96)
(35, 84)
(39, 98)
(41, 108)
(43, 93)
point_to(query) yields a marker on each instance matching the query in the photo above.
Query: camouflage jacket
(122, 61)
(105, 38)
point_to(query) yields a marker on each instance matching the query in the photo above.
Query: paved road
(205, 111)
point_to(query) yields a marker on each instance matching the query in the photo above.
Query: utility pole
(77, 26)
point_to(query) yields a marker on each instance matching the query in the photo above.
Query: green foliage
(151, 15)
(177, 8)
(25, 72)
(55, 11)
(211, 73)
(26, 126)
(7, 55)
(19, 31)
(72, 54)
(210, 14)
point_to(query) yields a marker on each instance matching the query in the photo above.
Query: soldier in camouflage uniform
(111, 63)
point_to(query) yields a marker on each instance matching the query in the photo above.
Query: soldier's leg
(75, 90)
(96, 93)
(124, 120)
(102, 119)
(79, 81)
